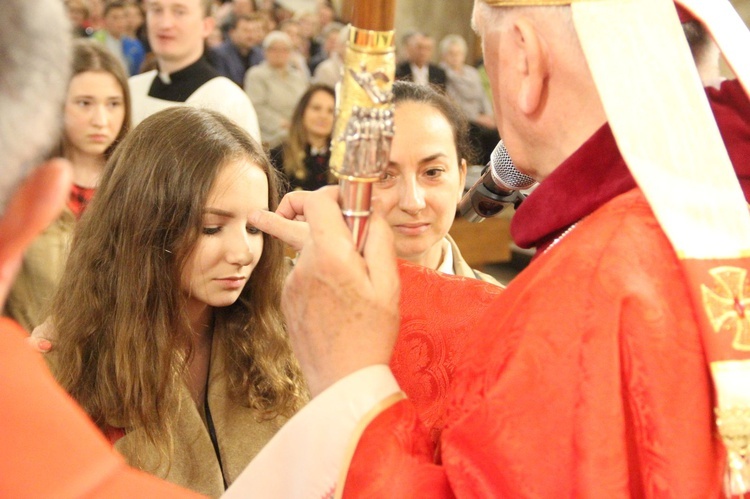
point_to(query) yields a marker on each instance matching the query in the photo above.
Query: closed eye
(210, 231)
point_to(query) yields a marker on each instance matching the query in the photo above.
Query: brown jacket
(40, 273)
(240, 434)
(461, 268)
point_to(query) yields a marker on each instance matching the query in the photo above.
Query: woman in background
(464, 86)
(275, 86)
(96, 119)
(419, 190)
(304, 156)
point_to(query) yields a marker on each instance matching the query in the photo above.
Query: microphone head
(505, 173)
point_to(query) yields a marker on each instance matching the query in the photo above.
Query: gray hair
(453, 40)
(559, 15)
(277, 36)
(333, 27)
(34, 69)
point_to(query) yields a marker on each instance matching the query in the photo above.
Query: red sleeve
(438, 314)
(398, 453)
(50, 448)
(395, 454)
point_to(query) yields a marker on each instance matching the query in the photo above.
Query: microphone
(497, 188)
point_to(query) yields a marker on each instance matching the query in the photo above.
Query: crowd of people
(274, 55)
(183, 343)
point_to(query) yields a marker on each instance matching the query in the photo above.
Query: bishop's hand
(341, 307)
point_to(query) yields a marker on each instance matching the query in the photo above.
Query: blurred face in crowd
(308, 25)
(94, 113)
(176, 30)
(96, 8)
(420, 49)
(77, 12)
(242, 7)
(424, 180)
(116, 22)
(215, 38)
(325, 15)
(134, 17)
(318, 116)
(258, 31)
(455, 57)
(278, 54)
(330, 42)
(246, 34)
(292, 29)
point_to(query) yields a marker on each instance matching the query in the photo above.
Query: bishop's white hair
(34, 69)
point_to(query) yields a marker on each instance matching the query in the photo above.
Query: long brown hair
(90, 55)
(295, 147)
(124, 335)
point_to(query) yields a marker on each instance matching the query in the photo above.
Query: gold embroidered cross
(726, 305)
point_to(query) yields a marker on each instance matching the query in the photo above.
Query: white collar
(446, 266)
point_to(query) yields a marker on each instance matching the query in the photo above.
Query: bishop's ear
(531, 63)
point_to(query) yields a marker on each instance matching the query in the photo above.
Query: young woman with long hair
(96, 118)
(304, 155)
(168, 324)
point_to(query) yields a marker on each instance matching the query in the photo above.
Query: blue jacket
(228, 61)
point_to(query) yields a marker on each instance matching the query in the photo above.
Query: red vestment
(430, 344)
(49, 447)
(585, 378)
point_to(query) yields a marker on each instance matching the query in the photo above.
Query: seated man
(241, 50)
(418, 66)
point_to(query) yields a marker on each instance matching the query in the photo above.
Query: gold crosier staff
(364, 110)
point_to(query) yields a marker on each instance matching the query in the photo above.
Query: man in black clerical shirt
(177, 30)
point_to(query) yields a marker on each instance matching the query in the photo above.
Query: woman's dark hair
(405, 91)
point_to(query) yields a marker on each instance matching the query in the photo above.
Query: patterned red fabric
(584, 383)
(586, 377)
(429, 343)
